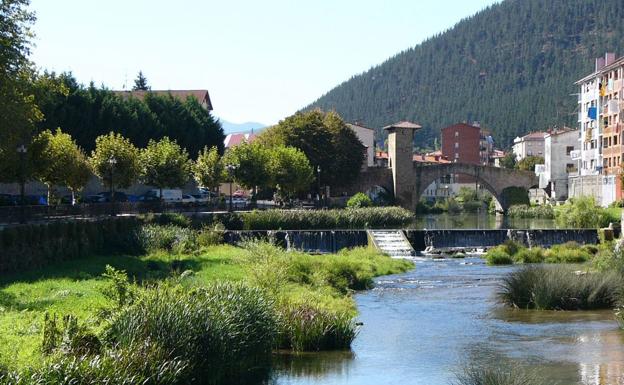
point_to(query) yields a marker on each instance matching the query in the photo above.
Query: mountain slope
(229, 127)
(511, 66)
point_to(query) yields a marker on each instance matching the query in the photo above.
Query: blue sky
(260, 60)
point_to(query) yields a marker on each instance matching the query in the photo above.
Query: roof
(560, 131)
(236, 138)
(201, 95)
(461, 125)
(357, 125)
(403, 124)
(539, 135)
(618, 62)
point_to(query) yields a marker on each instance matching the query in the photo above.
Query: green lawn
(75, 287)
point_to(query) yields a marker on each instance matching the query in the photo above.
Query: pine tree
(140, 83)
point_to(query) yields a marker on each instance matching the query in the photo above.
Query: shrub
(211, 235)
(569, 252)
(37, 245)
(167, 238)
(559, 288)
(582, 213)
(532, 255)
(359, 200)
(225, 331)
(306, 327)
(371, 217)
(498, 256)
(164, 219)
(526, 211)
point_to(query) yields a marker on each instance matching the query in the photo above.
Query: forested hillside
(511, 66)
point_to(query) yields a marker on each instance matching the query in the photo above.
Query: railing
(17, 214)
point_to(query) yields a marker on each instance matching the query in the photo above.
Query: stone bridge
(408, 180)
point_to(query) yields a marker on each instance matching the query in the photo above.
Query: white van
(168, 195)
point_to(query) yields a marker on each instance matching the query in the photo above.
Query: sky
(260, 61)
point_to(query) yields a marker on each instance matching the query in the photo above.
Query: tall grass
(356, 218)
(583, 212)
(224, 331)
(496, 375)
(526, 211)
(512, 252)
(560, 288)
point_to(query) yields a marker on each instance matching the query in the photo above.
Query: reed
(496, 375)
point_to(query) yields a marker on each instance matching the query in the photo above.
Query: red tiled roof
(201, 95)
(237, 138)
(535, 135)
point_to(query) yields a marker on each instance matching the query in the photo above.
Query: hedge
(37, 245)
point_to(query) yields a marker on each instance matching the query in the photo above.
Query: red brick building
(461, 143)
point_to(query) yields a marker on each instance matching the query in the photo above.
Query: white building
(529, 145)
(559, 147)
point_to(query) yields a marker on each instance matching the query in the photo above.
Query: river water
(423, 326)
(446, 221)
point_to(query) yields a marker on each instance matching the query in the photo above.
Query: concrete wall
(557, 159)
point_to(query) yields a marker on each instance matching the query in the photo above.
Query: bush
(211, 235)
(164, 219)
(225, 331)
(306, 327)
(37, 245)
(371, 217)
(582, 213)
(569, 252)
(526, 211)
(498, 256)
(359, 200)
(559, 288)
(167, 238)
(532, 255)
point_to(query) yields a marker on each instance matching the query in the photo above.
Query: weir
(331, 241)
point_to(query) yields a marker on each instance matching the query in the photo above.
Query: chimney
(609, 58)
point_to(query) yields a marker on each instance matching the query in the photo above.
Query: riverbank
(295, 284)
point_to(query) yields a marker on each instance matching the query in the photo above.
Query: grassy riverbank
(307, 297)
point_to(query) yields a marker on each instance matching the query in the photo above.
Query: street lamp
(230, 170)
(112, 161)
(21, 150)
(318, 179)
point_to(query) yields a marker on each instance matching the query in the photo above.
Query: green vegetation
(196, 312)
(560, 288)
(359, 200)
(467, 200)
(326, 141)
(528, 163)
(526, 211)
(496, 375)
(512, 252)
(585, 213)
(125, 170)
(208, 170)
(488, 69)
(164, 164)
(357, 218)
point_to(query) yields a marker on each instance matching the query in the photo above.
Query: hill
(229, 127)
(511, 66)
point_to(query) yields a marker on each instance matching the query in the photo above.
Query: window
(569, 149)
(456, 134)
(615, 140)
(456, 145)
(570, 167)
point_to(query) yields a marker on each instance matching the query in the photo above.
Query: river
(423, 326)
(446, 221)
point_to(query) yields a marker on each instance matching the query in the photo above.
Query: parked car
(238, 202)
(201, 198)
(168, 195)
(8, 200)
(96, 198)
(119, 196)
(149, 198)
(186, 198)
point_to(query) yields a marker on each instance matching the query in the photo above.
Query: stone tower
(400, 160)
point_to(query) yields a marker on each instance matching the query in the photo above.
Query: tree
(290, 170)
(208, 169)
(115, 161)
(325, 140)
(63, 162)
(528, 163)
(251, 165)
(508, 161)
(18, 110)
(165, 164)
(140, 83)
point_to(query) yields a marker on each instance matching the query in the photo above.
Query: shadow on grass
(139, 269)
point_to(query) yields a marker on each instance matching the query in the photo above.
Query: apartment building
(600, 124)
(559, 147)
(529, 145)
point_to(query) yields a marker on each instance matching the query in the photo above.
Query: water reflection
(478, 221)
(422, 327)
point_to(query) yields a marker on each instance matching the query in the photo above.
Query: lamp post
(318, 179)
(112, 161)
(230, 170)
(21, 150)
